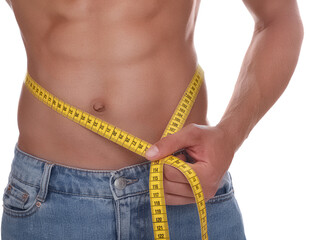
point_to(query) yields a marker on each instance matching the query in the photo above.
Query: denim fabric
(47, 201)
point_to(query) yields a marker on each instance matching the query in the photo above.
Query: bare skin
(127, 63)
(132, 61)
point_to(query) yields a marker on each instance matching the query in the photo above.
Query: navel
(99, 106)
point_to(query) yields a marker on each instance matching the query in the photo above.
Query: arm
(267, 66)
(266, 70)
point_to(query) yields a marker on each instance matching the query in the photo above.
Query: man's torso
(126, 62)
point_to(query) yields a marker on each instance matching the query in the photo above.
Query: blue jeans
(48, 201)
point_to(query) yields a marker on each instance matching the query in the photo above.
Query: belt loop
(44, 182)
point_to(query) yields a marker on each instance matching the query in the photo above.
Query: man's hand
(212, 151)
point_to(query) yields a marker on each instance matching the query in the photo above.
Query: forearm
(266, 70)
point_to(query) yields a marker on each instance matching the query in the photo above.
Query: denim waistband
(117, 184)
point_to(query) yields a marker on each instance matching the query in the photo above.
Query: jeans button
(120, 183)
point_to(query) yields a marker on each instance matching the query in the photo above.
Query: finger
(170, 144)
(178, 200)
(173, 174)
(181, 189)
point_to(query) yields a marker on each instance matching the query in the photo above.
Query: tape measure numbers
(139, 146)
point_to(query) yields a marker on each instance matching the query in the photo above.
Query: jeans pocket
(19, 198)
(225, 191)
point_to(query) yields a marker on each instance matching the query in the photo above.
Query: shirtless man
(124, 62)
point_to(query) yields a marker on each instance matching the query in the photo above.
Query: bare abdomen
(130, 72)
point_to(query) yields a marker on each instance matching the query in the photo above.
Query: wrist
(235, 130)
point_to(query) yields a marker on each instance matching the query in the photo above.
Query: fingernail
(152, 151)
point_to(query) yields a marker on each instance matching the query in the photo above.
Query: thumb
(168, 145)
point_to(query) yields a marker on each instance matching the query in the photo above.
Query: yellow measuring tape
(139, 146)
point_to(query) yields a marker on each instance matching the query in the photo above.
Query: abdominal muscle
(125, 64)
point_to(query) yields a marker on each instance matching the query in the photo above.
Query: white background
(282, 173)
